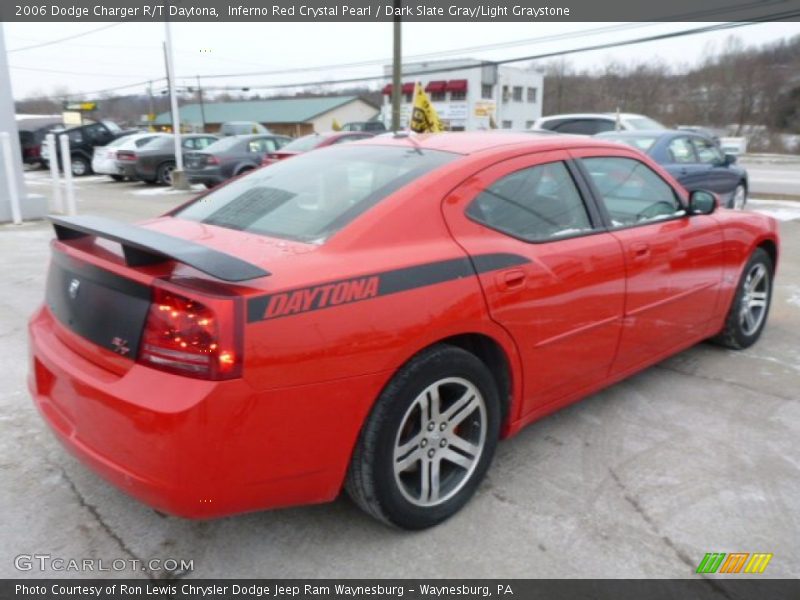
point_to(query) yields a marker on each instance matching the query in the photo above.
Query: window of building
(535, 204)
(517, 93)
(438, 96)
(532, 95)
(507, 124)
(632, 192)
(487, 91)
(529, 124)
(458, 95)
(408, 97)
(505, 93)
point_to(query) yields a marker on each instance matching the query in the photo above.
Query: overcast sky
(131, 52)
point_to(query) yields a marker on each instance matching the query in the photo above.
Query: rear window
(224, 144)
(312, 196)
(640, 142)
(304, 144)
(643, 123)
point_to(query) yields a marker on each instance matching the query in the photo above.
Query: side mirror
(702, 202)
(730, 159)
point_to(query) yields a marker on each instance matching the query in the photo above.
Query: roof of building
(282, 110)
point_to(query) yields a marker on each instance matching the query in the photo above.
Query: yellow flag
(423, 115)
(336, 126)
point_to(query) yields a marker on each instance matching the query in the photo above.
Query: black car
(155, 161)
(231, 156)
(32, 131)
(695, 160)
(83, 139)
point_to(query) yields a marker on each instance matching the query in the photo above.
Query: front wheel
(429, 440)
(748, 313)
(80, 166)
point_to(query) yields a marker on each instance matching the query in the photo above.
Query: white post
(178, 181)
(66, 161)
(11, 178)
(57, 202)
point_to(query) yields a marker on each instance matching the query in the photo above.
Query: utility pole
(169, 79)
(151, 110)
(397, 68)
(178, 178)
(202, 105)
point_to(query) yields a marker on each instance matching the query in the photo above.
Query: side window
(257, 146)
(601, 126)
(75, 137)
(188, 143)
(268, 145)
(680, 151)
(205, 142)
(631, 192)
(707, 152)
(97, 133)
(535, 204)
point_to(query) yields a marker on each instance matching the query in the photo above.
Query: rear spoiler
(143, 247)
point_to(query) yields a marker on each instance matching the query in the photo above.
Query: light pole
(178, 176)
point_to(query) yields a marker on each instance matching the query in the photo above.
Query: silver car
(104, 157)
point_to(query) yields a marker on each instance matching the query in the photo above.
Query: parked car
(373, 126)
(313, 141)
(231, 156)
(155, 161)
(593, 123)
(374, 317)
(242, 128)
(83, 139)
(32, 131)
(694, 160)
(104, 159)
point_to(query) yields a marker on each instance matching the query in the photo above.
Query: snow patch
(783, 210)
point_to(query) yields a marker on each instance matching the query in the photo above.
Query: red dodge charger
(376, 316)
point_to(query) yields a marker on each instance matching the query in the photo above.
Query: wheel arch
(770, 246)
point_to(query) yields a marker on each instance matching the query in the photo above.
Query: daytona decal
(356, 289)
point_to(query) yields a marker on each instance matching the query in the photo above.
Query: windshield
(640, 142)
(314, 195)
(112, 127)
(304, 144)
(643, 123)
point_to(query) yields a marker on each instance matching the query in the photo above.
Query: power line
(70, 72)
(652, 38)
(64, 39)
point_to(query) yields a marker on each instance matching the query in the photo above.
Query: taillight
(212, 160)
(124, 155)
(185, 336)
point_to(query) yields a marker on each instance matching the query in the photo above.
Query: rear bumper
(126, 169)
(212, 176)
(194, 448)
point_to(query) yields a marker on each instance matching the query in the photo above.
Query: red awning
(387, 90)
(457, 85)
(436, 86)
(408, 88)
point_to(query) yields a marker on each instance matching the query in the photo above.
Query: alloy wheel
(755, 297)
(440, 441)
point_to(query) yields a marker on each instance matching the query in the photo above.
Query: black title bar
(407, 10)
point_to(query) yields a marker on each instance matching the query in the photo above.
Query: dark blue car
(693, 159)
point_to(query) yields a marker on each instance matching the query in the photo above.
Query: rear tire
(750, 307)
(164, 173)
(209, 185)
(428, 441)
(738, 198)
(117, 177)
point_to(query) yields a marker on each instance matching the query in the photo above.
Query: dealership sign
(80, 106)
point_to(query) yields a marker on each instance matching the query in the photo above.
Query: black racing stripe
(364, 287)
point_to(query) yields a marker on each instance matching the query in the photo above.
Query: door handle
(513, 279)
(640, 250)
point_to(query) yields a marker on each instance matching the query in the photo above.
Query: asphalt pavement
(697, 454)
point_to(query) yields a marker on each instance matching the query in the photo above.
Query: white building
(473, 95)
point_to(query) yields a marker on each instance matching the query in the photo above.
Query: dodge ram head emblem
(120, 346)
(73, 288)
